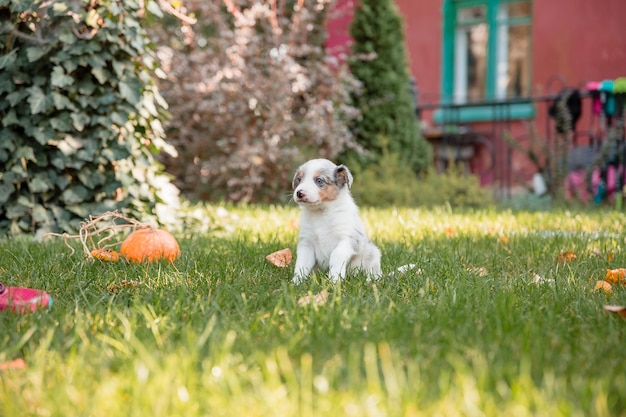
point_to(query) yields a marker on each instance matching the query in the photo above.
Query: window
(513, 50)
(487, 51)
(470, 54)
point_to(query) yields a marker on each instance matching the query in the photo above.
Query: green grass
(220, 331)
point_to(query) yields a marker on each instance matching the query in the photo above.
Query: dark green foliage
(379, 61)
(79, 124)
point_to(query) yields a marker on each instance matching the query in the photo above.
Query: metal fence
(575, 130)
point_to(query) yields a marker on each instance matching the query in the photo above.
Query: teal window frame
(520, 108)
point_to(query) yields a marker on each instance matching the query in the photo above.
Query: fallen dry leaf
(481, 271)
(619, 310)
(113, 288)
(616, 276)
(566, 257)
(105, 255)
(317, 299)
(538, 279)
(281, 258)
(503, 242)
(401, 271)
(14, 364)
(605, 286)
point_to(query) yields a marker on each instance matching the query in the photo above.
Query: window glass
(513, 53)
(472, 35)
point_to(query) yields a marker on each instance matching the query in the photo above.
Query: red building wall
(573, 42)
(423, 35)
(576, 41)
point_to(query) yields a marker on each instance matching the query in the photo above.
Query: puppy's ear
(343, 176)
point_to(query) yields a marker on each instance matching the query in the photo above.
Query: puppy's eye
(297, 180)
(319, 181)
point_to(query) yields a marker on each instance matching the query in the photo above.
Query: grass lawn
(492, 323)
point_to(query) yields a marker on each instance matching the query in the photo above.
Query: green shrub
(79, 116)
(253, 94)
(392, 183)
(378, 61)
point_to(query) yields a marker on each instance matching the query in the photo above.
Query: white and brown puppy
(332, 236)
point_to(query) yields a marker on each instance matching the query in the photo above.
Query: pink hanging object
(596, 106)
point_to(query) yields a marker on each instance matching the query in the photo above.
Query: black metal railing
(556, 139)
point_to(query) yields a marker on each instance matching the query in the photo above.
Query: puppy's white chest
(323, 233)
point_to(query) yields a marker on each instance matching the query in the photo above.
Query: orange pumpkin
(150, 244)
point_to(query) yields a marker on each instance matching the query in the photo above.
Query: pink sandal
(23, 300)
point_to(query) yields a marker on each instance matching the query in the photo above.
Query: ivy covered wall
(80, 117)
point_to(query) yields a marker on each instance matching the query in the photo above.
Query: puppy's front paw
(297, 279)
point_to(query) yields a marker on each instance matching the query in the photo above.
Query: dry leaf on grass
(403, 270)
(317, 299)
(605, 286)
(619, 310)
(538, 279)
(481, 271)
(281, 258)
(609, 256)
(566, 257)
(503, 243)
(14, 364)
(616, 276)
(105, 255)
(124, 285)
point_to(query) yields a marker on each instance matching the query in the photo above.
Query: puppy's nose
(300, 194)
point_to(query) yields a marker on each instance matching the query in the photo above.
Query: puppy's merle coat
(332, 236)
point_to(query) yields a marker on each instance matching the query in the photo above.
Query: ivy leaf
(39, 184)
(79, 120)
(59, 7)
(8, 59)
(91, 179)
(26, 152)
(154, 9)
(42, 134)
(92, 18)
(100, 74)
(61, 123)
(10, 119)
(15, 211)
(131, 91)
(74, 195)
(40, 214)
(21, 5)
(59, 78)
(16, 96)
(6, 82)
(38, 100)
(62, 102)
(34, 53)
(118, 119)
(5, 192)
